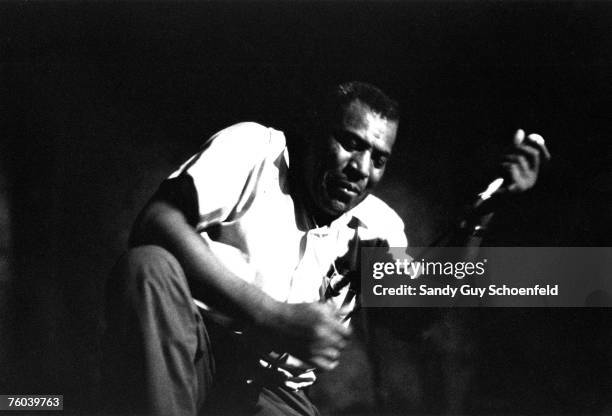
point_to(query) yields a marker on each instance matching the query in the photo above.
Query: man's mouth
(349, 188)
(346, 189)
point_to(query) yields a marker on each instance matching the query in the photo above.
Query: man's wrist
(473, 229)
(476, 223)
(269, 313)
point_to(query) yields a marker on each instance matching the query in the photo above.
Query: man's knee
(150, 263)
(147, 268)
(148, 294)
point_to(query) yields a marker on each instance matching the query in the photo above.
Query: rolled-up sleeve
(224, 171)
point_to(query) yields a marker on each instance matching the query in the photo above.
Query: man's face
(342, 170)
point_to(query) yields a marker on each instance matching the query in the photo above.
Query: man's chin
(337, 207)
(331, 211)
(330, 208)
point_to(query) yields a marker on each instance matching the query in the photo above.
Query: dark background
(101, 100)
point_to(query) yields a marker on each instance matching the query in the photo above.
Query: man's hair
(315, 113)
(340, 97)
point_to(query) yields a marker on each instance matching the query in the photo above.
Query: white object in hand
(498, 182)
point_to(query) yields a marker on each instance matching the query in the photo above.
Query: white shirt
(257, 229)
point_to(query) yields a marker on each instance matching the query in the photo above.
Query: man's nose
(360, 162)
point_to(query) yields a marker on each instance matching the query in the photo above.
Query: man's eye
(380, 161)
(347, 142)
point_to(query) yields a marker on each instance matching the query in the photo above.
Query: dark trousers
(160, 357)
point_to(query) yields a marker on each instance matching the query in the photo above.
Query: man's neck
(304, 205)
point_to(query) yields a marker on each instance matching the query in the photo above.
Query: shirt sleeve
(225, 172)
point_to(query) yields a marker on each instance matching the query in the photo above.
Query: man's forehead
(359, 117)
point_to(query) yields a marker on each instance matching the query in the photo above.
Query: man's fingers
(334, 317)
(335, 332)
(330, 331)
(533, 140)
(345, 331)
(540, 144)
(331, 339)
(534, 137)
(521, 161)
(331, 354)
(532, 154)
(323, 363)
(514, 173)
(519, 136)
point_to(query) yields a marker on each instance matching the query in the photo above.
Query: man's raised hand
(521, 165)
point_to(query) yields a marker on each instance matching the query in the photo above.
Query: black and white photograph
(233, 207)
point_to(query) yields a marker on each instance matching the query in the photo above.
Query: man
(253, 230)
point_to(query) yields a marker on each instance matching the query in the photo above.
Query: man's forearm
(163, 224)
